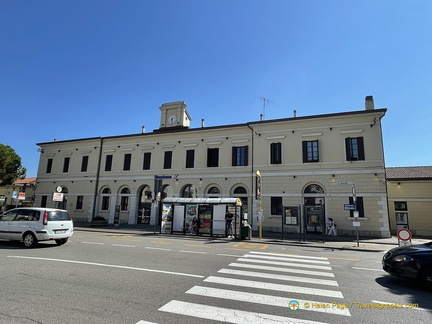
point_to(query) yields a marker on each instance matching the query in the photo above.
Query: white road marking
(230, 255)
(297, 265)
(301, 271)
(145, 322)
(124, 245)
(381, 270)
(96, 243)
(193, 252)
(265, 299)
(289, 255)
(226, 315)
(277, 287)
(108, 266)
(268, 257)
(154, 248)
(279, 277)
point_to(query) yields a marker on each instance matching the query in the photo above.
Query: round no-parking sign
(404, 234)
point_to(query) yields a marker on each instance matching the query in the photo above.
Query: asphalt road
(102, 277)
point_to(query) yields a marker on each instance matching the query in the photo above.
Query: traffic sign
(349, 207)
(404, 235)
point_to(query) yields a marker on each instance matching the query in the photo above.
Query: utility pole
(264, 100)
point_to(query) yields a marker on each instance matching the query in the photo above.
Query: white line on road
(230, 255)
(279, 277)
(154, 248)
(297, 265)
(284, 259)
(266, 299)
(277, 287)
(226, 315)
(96, 243)
(124, 245)
(301, 271)
(381, 270)
(289, 255)
(107, 265)
(198, 252)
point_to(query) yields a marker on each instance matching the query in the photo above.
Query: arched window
(188, 191)
(240, 191)
(314, 189)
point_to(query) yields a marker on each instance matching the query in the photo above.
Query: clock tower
(174, 114)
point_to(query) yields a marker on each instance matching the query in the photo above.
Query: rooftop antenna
(264, 100)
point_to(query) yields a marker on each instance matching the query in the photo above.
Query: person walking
(228, 221)
(331, 227)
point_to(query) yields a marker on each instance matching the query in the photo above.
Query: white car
(30, 225)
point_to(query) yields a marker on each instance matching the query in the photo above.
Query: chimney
(202, 123)
(295, 113)
(261, 117)
(369, 103)
(142, 129)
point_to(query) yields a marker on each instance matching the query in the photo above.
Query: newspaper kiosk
(178, 214)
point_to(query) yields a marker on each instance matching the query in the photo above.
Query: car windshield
(58, 215)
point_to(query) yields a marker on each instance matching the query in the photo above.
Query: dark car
(412, 262)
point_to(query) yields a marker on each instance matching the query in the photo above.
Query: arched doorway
(241, 192)
(144, 205)
(314, 207)
(188, 191)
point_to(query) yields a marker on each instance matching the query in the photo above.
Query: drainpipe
(95, 196)
(252, 177)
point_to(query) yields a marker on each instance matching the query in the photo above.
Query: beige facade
(410, 199)
(311, 160)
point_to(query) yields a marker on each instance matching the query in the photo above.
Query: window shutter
(246, 155)
(348, 148)
(234, 156)
(305, 159)
(360, 144)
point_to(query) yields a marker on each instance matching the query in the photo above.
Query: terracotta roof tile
(417, 173)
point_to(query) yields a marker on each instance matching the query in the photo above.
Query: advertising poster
(166, 223)
(205, 218)
(191, 212)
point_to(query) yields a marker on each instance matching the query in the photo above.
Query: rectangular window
(354, 149)
(84, 163)
(275, 153)
(66, 164)
(359, 206)
(168, 160)
(44, 201)
(190, 159)
(212, 157)
(49, 166)
(240, 155)
(276, 205)
(146, 161)
(127, 162)
(310, 151)
(79, 202)
(108, 162)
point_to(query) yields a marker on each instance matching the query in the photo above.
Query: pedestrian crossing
(259, 287)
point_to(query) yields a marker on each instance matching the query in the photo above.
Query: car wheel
(29, 240)
(426, 276)
(61, 241)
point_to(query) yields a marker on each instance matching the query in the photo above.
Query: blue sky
(87, 68)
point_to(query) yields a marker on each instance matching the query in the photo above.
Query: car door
(20, 224)
(6, 221)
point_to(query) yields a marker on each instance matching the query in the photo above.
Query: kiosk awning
(235, 201)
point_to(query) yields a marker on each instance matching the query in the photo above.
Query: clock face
(172, 119)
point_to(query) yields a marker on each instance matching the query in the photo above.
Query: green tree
(10, 166)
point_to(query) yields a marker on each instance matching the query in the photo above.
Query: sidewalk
(312, 240)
